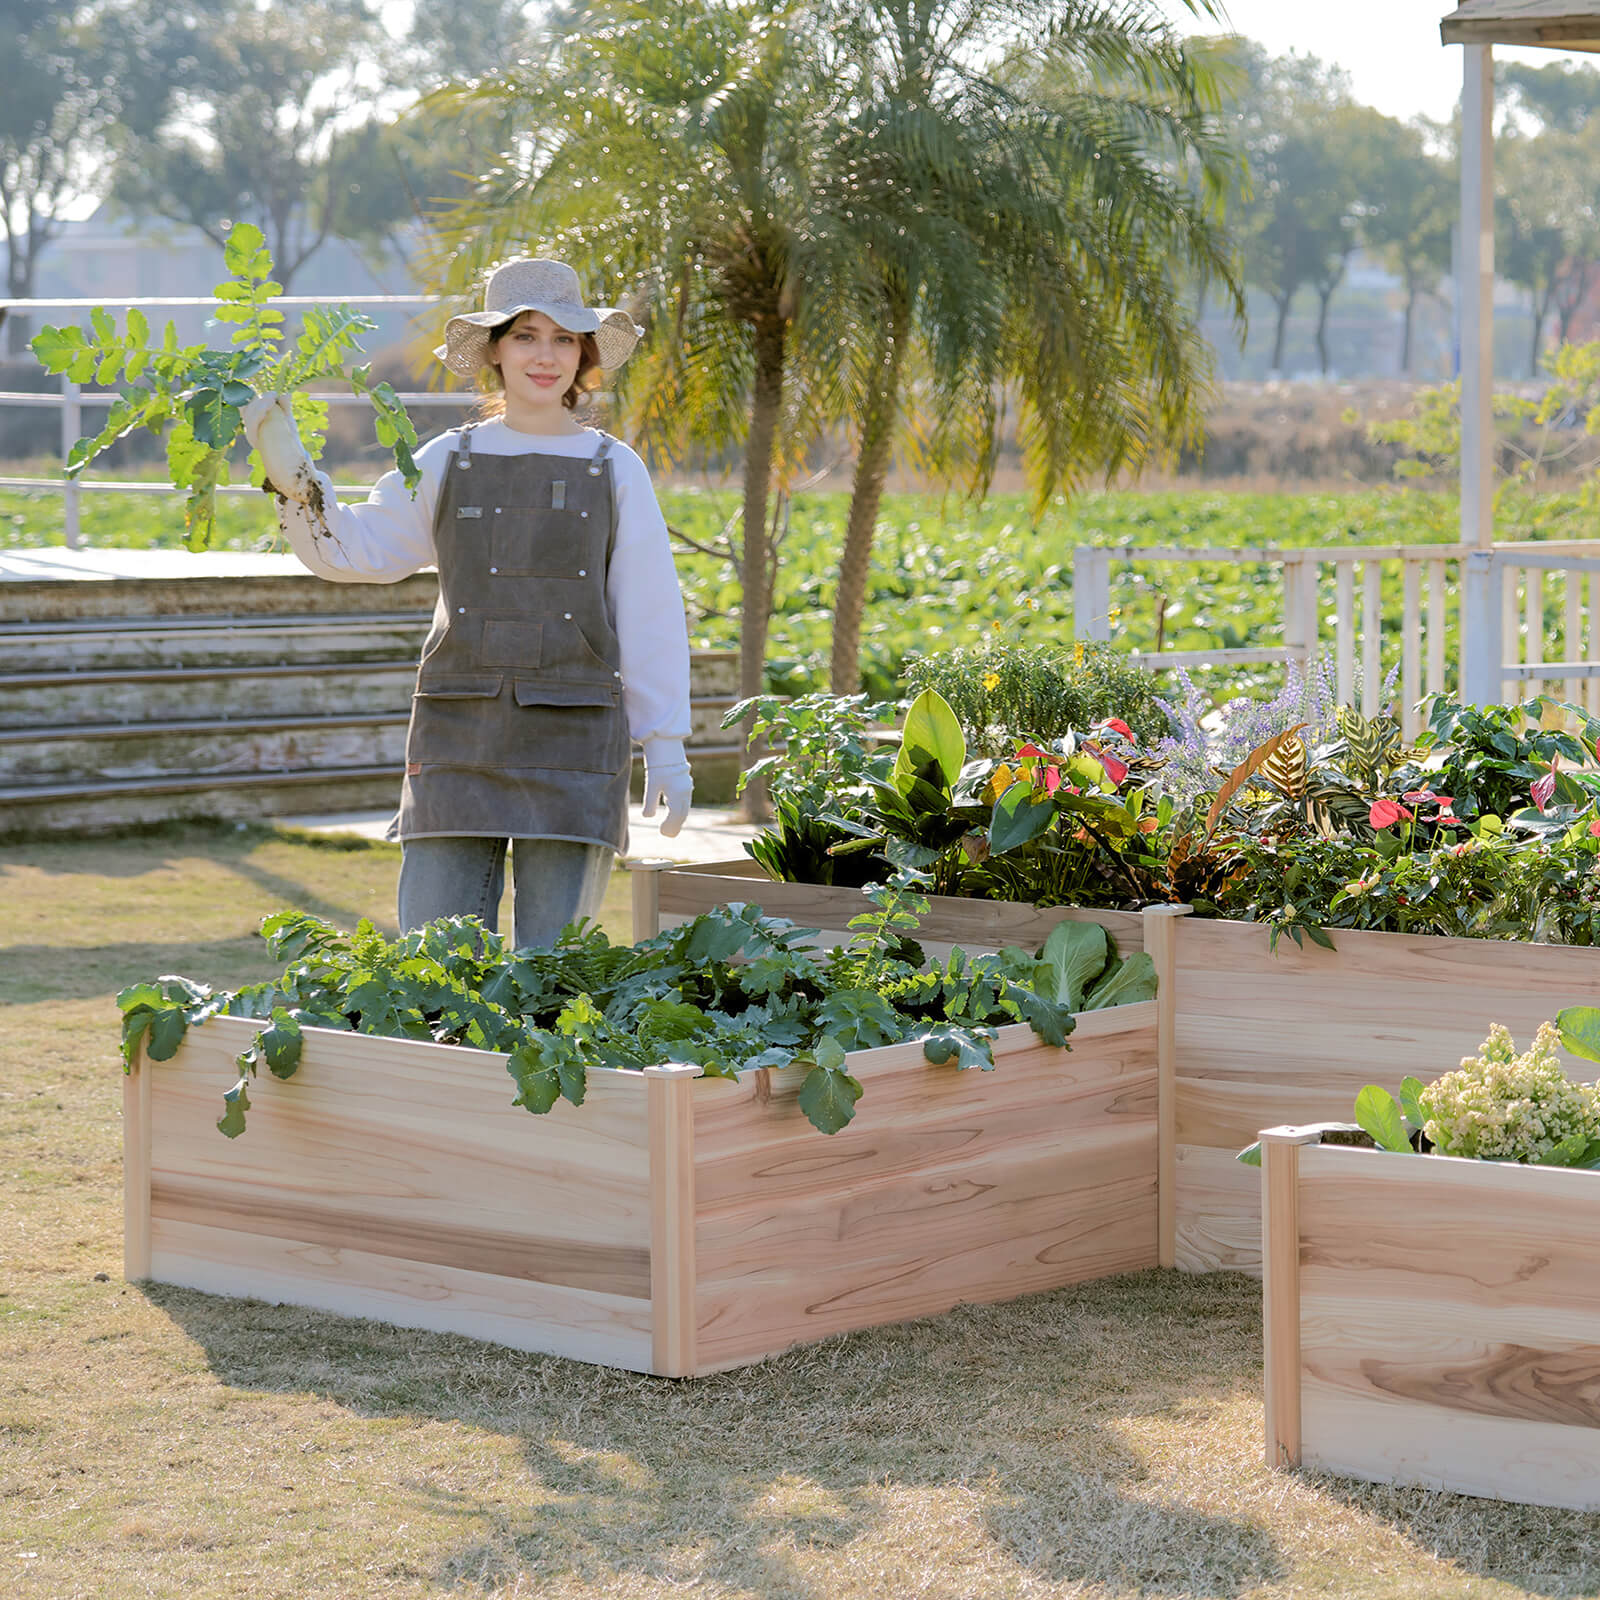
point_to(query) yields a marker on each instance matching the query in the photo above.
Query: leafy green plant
(196, 393)
(1002, 693)
(819, 746)
(729, 991)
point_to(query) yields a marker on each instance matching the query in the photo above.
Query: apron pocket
(571, 726)
(460, 686)
(457, 720)
(511, 643)
(539, 692)
(567, 650)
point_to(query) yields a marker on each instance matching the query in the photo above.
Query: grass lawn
(1103, 1441)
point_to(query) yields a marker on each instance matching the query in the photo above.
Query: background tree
(1298, 226)
(252, 130)
(1021, 178)
(1406, 203)
(1547, 220)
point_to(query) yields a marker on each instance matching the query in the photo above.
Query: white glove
(667, 780)
(269, 426)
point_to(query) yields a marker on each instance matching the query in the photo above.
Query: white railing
(1508, 645)
(72, 400)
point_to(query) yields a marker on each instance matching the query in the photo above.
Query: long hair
(492, 388)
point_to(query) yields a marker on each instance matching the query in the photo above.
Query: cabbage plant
(195, 392)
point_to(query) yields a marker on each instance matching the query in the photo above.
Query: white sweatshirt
(390, 536)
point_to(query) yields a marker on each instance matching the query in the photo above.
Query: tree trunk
(872, 467)
(1282, 328)
(757, 563)
(1405, 330)
(1322, 330)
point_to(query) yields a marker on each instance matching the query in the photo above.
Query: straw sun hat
(530, 285)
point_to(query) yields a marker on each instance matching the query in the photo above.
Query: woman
(559, 630)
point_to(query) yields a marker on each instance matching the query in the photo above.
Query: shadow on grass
(989, 1436)
(1535, 1549)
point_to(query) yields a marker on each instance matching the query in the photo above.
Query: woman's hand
(667, 782)
(269, 426)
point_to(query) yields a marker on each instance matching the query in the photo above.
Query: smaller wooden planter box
(671, 1224)
(1432, 1321)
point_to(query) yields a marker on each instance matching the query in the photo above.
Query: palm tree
(672, 157)
(1033, 181)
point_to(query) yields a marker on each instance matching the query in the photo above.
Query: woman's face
(538, 360)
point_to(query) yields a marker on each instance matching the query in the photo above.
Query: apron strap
(464, 447)
(597, 460)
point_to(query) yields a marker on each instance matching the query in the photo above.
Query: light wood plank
(558, 1321)
(1219, 1212)
(1162, 945)
(670, 1096)
(1280, 1291)
(974, 924)
(1393, 1441)
(947, 1187)
(136, 1170)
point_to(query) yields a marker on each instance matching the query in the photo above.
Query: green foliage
(1003, 692)
(819, 748)
(728, 991)
(196, 393)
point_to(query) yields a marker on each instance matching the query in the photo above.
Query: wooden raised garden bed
(1433, 1321)
(1249, 1036)
(671, 1224)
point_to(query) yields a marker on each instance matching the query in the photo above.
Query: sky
(1390, 48)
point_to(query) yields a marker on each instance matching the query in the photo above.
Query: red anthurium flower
(1116, 770)
(1542, 789)
(1594, 829)
(1117, 725)
(1385, 813)
(1421, 794)
(1031, 750)
(1052, 779)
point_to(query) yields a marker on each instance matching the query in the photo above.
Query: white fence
(1526, 621)
(72, 400)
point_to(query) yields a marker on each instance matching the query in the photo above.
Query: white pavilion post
(1481, 643)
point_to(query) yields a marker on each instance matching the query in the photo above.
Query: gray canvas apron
(517, 724)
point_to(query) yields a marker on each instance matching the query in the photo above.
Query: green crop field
(948, 572)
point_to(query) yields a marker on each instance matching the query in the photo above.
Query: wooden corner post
(1280, 1288)
(647, 897)
(1161, 943)
(136, 1170)
(670, 1113)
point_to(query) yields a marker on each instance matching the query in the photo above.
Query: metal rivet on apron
(461, 611)
(583, 513)
(583, 572)
(497, 511)
(616, 674)
(566, 616)
(494, 569)
(594, 472)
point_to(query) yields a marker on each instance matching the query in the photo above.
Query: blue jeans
(556, 881)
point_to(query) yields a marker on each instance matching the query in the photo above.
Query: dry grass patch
(1103, 1441)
